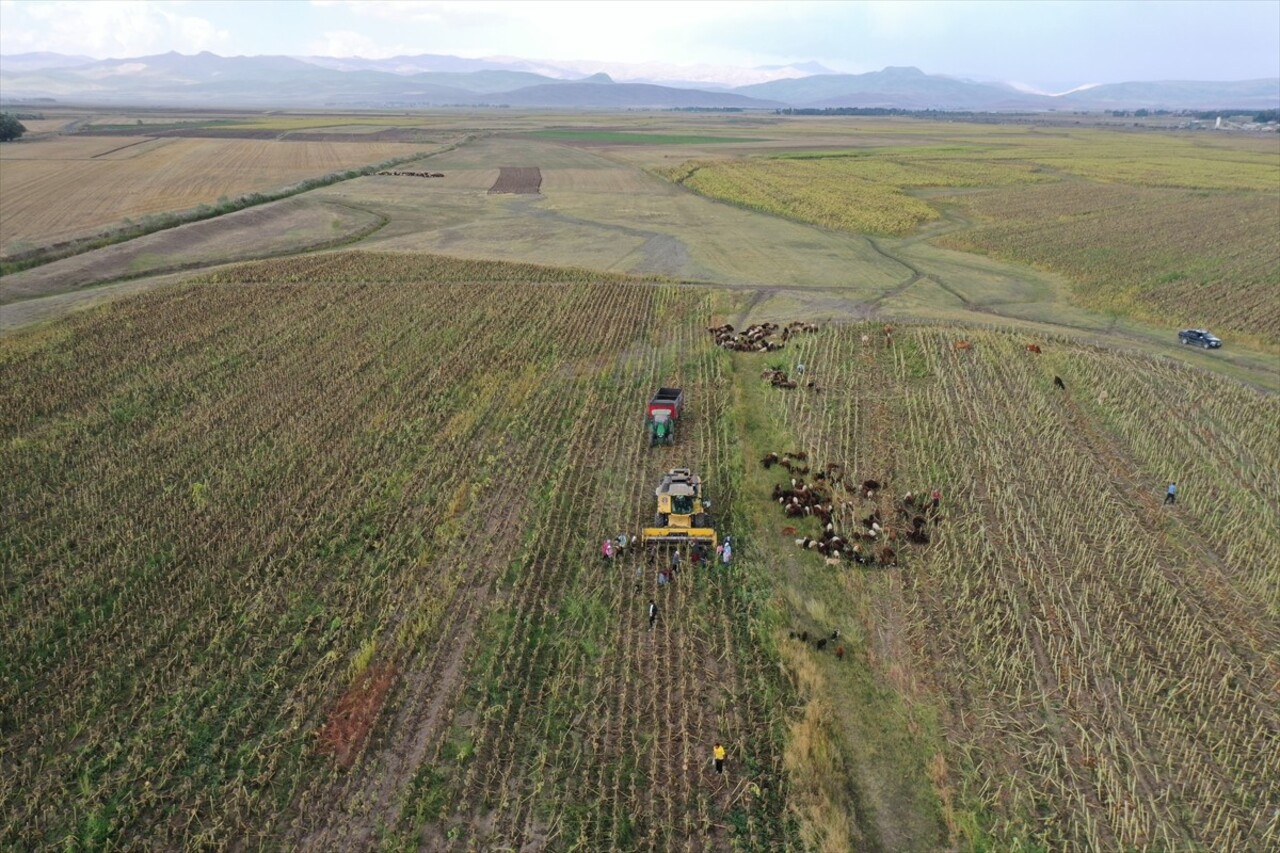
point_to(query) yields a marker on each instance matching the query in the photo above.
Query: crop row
(1108, 680)
(231, 504)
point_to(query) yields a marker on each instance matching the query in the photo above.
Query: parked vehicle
(1199, 337)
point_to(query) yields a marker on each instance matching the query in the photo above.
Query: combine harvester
(682, 513)
(664, 411)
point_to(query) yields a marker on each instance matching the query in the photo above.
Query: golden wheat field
(61, 188)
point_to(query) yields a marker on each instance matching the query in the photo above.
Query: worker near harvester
(727, 554)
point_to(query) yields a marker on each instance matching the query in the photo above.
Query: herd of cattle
(414, 174)
(875, 540)
(758, 337)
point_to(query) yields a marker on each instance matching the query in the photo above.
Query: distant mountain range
(174, 79)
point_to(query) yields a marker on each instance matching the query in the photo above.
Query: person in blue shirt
(1171, 495)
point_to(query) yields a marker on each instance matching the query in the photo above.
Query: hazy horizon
(1044, 45)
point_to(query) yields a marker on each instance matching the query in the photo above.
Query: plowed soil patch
(517, 179)
(355, 714)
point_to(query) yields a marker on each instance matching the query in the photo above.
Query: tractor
(682, 514)
(662, 414)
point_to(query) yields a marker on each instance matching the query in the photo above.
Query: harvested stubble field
(290, 225)
(1101, 668)
(57, 188)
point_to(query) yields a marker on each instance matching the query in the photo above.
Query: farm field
(284, 227)
(301, 546)
(1156, 228)
(1101, 667)
(385, 620)
(64, 187)
(1159, 254)
(220, 642)
(595, 212)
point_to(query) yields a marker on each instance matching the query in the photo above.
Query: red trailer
(663, 413)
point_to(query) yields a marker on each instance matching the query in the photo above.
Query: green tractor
(663, 412)
(662, 429)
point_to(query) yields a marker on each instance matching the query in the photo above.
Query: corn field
(307, 555)
(318, 566)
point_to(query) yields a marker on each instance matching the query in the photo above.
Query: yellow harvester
(682, 513)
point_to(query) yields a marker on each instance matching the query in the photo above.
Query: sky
(1043, 43)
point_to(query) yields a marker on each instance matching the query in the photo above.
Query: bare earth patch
(517, 179)
(356, 712)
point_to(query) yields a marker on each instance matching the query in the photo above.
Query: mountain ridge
(251, 81)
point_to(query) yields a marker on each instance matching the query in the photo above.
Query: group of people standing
(699, 554)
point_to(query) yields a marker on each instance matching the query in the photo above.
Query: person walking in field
(936, 497)
(675, 561)
(717, 753)
(727, 553)
(606, 550)
(653, 613)
(1171, 494)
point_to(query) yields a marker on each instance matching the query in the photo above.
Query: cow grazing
(1057, 380)
(1035, 348)
(964, 345)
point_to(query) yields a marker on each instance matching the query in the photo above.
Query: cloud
(107, 28)
(626, 30)
(346, 43)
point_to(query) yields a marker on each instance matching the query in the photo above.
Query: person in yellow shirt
(718, 753)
